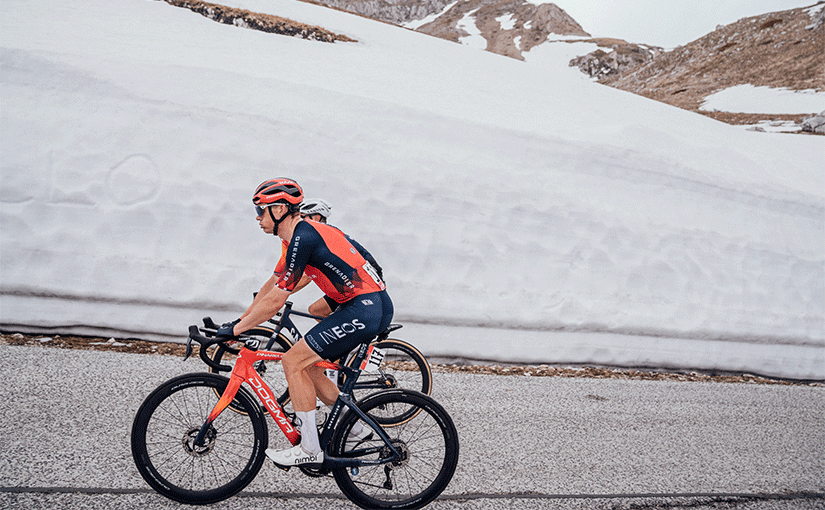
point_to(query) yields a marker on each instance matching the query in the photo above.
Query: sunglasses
(259, 210)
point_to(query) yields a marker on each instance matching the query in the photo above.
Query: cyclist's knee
(300, 357)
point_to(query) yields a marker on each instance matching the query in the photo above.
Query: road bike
(189, 449)
(403, 365)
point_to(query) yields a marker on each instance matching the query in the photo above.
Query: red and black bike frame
(244, 372)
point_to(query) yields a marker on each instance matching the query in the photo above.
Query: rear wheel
(163, 434)
(403, 367)
(427, 442)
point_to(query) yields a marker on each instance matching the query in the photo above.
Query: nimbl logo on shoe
(307, 459)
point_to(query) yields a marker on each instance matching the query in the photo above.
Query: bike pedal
(285, 468)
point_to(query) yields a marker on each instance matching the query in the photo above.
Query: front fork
(226, 398)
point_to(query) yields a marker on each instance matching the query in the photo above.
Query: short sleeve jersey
(326, 255)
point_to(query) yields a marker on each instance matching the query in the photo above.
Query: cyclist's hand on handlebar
(228, 328)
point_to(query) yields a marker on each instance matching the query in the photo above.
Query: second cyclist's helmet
(279, 191)
(316, 206)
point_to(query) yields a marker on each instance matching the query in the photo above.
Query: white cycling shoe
(295, 456)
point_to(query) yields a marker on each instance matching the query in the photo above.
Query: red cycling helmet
(281, 190)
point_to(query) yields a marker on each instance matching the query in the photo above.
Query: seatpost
(287, 310)
(352, 373)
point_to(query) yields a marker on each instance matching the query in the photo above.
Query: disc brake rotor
(199, 451)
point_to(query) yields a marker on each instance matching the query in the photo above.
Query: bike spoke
(425, 443)
(173, 465)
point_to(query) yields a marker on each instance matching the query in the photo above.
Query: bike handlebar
(205, 342)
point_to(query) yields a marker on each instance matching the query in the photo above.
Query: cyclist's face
(265, 219)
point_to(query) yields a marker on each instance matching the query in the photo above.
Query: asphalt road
(526, 442)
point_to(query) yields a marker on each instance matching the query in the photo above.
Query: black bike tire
(423, 369)
(281, 340)
(146, 461)
(413, 431)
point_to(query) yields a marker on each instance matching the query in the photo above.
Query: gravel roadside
(442, 366)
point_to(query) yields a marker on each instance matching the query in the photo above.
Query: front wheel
(428, 444)
(163, 436)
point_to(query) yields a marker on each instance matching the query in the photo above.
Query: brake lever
(209, 323)
(188, 349)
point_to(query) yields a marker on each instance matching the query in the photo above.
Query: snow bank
(750, 99)
(496, 194)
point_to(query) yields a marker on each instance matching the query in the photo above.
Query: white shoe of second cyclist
(295, 456)
(362, 435)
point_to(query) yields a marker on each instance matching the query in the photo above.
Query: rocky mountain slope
(510, 27)
(397, 12)
(780, 50)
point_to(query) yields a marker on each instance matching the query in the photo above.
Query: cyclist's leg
(297, 361)
(323, 307)
(352, 323)
(388, 311)
(325, 389)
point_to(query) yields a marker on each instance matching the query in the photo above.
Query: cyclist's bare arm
(264, 294)
(266, 304)
(267, 286)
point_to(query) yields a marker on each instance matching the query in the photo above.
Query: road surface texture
(526, 442)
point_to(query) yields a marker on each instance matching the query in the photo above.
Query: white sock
(309, 434)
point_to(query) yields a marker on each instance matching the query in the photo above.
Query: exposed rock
(397, 12)
(622, 58)
(815, 124)
(779, 49)
(526, 25)
(529, 24)
(257, 21)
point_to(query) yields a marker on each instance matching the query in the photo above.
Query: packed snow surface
(473, 39)
(751, 99)
(521, 212)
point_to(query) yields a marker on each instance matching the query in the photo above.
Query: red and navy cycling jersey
(331, 259)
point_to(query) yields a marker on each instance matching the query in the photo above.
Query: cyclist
(316, 209)
(364, 309)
